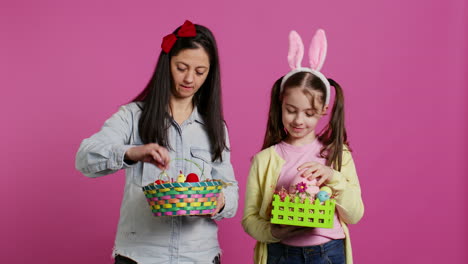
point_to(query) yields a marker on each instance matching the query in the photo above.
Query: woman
(177, 117)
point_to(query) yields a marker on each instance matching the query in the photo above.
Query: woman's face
(189, 70)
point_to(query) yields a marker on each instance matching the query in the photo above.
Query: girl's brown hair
(333, 136)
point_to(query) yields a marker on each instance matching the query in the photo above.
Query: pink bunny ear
(296, 50)
(318, 50)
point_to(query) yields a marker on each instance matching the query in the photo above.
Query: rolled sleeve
(345, 186)
(103, 153)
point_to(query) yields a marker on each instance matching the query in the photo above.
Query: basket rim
(153, 186)
(307, 200)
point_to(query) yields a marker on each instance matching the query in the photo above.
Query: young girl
(291, 146)
(177, 117)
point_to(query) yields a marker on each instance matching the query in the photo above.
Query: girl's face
(301, 111)
(189, 70)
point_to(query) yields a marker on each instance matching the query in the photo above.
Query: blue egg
(323, 196)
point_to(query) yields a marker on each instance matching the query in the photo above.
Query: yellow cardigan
(264, 172)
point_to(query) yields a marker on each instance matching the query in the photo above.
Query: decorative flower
(282, 194)
(301, 187)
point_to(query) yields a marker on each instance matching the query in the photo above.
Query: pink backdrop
(66, 67)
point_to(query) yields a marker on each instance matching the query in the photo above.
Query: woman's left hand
(315, 170)
(219, 204)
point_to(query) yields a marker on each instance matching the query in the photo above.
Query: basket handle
(163, 173)
(202, 176)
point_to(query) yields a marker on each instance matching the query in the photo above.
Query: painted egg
(192, 177)
(323, 196)
(327, 189)
(303, 185)
(159, 182)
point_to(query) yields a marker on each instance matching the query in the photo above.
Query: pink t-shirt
(294, 157)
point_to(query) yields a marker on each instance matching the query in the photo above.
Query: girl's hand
(314, 170)
(284, 231)
(219, 204)
(151, 153)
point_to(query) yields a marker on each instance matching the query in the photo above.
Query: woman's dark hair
(333, 136)
(155, 118)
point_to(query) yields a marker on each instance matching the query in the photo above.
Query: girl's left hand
(219, 204)
(315, 170)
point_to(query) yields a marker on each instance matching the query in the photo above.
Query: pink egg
(301, 184)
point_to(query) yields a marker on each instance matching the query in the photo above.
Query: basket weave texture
(185, 198)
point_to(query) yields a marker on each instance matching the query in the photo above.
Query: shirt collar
(195, 116)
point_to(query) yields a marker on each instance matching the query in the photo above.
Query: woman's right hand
(285, 231)
(151, 153)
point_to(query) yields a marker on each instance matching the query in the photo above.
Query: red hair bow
(186, 30)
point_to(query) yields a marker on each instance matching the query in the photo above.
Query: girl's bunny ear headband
(317, 54)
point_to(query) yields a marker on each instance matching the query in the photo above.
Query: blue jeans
(331, 252)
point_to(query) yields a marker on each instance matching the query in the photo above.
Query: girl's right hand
(284, 231)
(151, 153)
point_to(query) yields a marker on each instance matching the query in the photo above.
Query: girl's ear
(296, 50)
(324, 110)
(318, 50)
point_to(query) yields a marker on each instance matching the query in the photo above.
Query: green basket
(302, 213)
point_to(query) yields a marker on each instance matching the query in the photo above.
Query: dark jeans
(124, 260)
(329, 253)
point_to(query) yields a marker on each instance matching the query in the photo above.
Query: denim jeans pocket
(336, 253)
(276, 259)
(275, 254)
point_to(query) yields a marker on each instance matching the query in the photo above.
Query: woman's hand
(219, 204)
(315, 170)
(284, 231)
(151, 153)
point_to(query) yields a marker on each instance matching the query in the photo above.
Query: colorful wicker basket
(183, 198)
(302, 213)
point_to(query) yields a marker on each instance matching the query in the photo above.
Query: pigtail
(334, 136)
(275, 129)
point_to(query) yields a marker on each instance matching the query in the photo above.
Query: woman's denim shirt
(140, 235)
